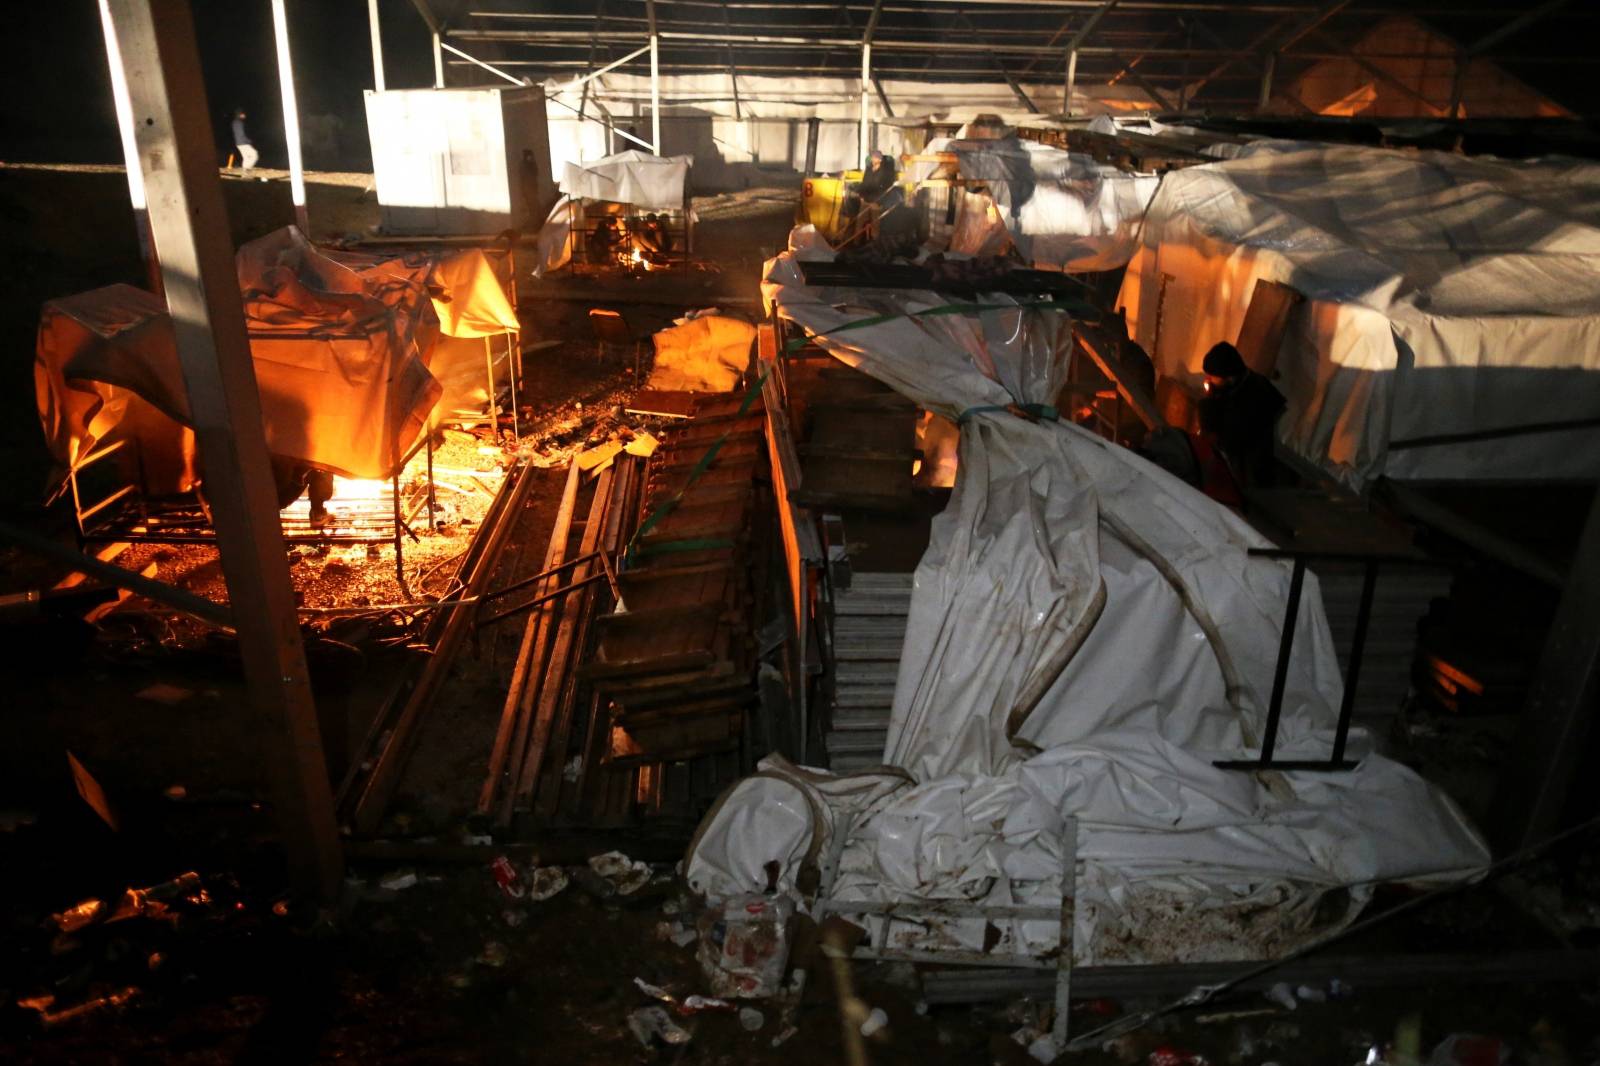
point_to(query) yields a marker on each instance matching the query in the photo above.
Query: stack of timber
(636, 668)
(675, 663)
(545, 762)
(860, 443)
(869, 631)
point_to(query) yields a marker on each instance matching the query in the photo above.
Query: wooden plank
(1265, 320)
(561, 740)
(504, 734)
(561, 652)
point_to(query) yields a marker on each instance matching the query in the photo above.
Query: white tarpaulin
(1061, 209)
(631, 177)
(1451, 327)
(1086, 635)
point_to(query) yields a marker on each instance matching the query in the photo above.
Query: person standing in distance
(248, 156)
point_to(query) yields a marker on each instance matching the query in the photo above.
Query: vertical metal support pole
(1358, 646)
(813, 129)
(1072, 81)
(512, 348)
(130, 153)
(377, 45)
(1280, 676)
(1550, 746)
(432, 498)
(1266, 80)
(866, 81)
(438, 64)
(494, 402)
(399, 536)
(1069, 920)
(1458, 83)
(655, 94)
(291, 116)
(190, 227)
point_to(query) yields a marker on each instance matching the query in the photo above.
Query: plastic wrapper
(744, 945)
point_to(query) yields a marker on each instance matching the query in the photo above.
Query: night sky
(57, 101)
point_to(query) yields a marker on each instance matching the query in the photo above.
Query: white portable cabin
(449, 162)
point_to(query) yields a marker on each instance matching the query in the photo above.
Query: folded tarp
(338, 360)
(1452, 323)
(1086, 635)
(1060, 209)
(631, 177)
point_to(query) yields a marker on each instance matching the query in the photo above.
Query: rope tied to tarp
(1028, 412)
(670, 504)
(1076, 307)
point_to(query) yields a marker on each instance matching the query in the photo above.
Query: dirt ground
(442, 967)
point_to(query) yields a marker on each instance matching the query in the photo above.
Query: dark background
(56, 102)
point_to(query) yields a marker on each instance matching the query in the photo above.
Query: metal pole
(655, 93)
(438, 62)
(291, 117)
(866, 79)
(1266, 80)
(377, 45)
(130, 153)
(190, 228)
(1072, 80)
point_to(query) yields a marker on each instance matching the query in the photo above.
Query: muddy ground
(443, 967)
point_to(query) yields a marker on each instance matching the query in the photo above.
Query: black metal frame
(1280, 676)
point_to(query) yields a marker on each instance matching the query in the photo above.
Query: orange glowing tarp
(339, 360)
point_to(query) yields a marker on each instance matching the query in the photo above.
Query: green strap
(670, 504)
(1041, 412)
(1075, 306)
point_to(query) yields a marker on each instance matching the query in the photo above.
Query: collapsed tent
(469, 290)
(1451, 326)
(1059, 209)
(338, 363)
(1087, 633)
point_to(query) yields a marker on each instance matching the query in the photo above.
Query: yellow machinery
(822, 203)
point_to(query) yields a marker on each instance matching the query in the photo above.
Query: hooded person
(1240, 410)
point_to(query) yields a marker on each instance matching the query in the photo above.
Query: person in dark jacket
(879, 178)
(1240, 411)
(248, 156)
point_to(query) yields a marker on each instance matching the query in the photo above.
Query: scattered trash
(694, 1004)
(671, 907)
(744, 945)
(649, 1024)
(1167, 1055)
(506, 876)
(788, 1031)
(676, 933)
(398, 881)
(1282, 995)
(1340, 989)
(1223, 1017)
(494, 954)
(1469, 1049)
(50, 1018)
(625, 875)
(751, 1020)
(1309, 994)
(175, 792)
(571, 771)
(477, 839)
(874, 1021)
(546, 882)
(513, 918)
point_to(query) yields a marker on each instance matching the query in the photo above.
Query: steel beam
(377, 44)
(190, 227)
(291, 116)
(655, 78)
(475, 61)
(1131, 69)
(130, 153)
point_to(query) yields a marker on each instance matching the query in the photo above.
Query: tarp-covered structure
(341, 344)
(1086, 634)
(632, 177)
(1059, 210)
(1451, 327)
